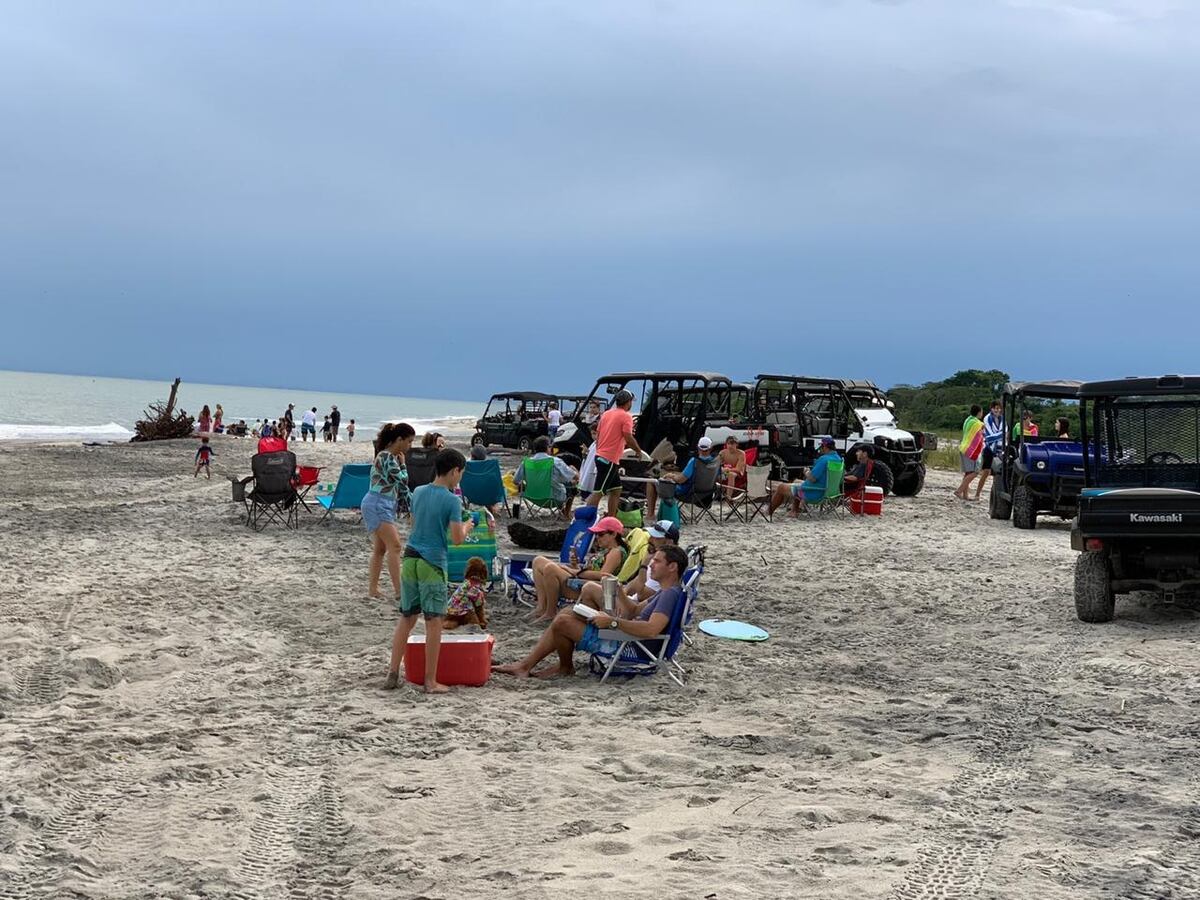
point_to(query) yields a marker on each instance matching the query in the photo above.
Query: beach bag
(631, 518)
(669, 510)
(587, 471)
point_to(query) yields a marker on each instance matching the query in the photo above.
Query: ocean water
(39, 407)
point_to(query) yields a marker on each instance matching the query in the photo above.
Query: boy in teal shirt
(423, 584)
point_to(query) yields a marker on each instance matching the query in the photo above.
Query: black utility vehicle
(1034, 474)
(1139, 514)
(789, 414)
(515, 419)
(671, 406)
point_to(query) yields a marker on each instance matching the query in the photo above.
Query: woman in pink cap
(552, 579)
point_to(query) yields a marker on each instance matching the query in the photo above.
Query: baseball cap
(664, 528)
(827, 441)
(705, 443)
(608, 523)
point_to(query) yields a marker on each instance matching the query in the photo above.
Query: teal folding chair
(352, 485)
(483, 483)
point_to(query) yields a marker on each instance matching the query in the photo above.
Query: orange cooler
(464, 659)
(869, 504)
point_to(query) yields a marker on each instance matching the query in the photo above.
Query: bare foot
(393, 679)
(436, 688)
(554, 672)
(514, 669)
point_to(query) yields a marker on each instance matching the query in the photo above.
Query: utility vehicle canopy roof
(1140, 387)
(663, 376)
(525, 395)
(1064, 389)
(813, 379)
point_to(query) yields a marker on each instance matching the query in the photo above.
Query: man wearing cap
(613, 435)
(704, 453)
(810, 489)
(552, 579)
(570, 632)
(335, 419)
(664, 533)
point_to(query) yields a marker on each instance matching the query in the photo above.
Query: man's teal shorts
(423, 588)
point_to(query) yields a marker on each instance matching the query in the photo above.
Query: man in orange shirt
(613, 435)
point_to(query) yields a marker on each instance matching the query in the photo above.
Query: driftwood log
(162, 422)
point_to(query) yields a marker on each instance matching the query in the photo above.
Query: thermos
(609, 587)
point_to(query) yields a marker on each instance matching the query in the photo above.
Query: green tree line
(943, 405)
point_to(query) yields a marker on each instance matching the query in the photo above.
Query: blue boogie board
(732, 630)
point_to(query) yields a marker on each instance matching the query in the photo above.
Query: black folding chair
(421, 463)
(274, 497)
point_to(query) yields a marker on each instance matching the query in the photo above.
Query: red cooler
(464, 659)
(869, 503)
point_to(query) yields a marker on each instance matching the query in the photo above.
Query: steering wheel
(1163, 456)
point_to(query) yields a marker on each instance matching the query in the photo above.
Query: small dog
(468, 603)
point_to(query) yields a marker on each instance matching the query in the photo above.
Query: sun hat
(664, 528)
(705, 443)
(608, 523)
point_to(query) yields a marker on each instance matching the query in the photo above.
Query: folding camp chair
(699, 500)
(273, 497)
(645, 656)
(483, 484)
(537, 492)
(518, 568)
(352, 485)
(696, 566)
(754, 499)
(306, 479)
(421, 463)
(834, 500)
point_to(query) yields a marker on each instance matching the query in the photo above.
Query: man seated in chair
(857, 479)
(641, 619)
(704, 453)
(562, 477)
(810, 489)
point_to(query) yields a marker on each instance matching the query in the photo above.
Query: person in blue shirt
(685, 479)
(424, 588)
(810, 489)
(993, 440)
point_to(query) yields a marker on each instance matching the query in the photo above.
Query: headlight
(1041, 464)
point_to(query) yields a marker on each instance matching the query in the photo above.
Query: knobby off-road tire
(909, 484)
(881, 477)
(1094, 598)
(998, 507)
(524, 443)
(1024, 508)
(478, 439)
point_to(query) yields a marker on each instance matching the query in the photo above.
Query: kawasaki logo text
(1157, 518)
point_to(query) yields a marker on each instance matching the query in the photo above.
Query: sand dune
(188, 709)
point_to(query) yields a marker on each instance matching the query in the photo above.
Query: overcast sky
(446, 198)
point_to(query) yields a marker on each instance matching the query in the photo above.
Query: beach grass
(946, 456)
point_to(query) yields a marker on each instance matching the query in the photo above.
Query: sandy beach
(189, 709)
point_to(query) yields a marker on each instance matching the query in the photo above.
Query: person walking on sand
(388, 487)
(971, 449)
(287, 422)
(204, 422)
(308, 425)
(423, 584)
(644, 620)
(204, 455)
(613, 435)
(350, 431)
(993, 440)
(335, 419)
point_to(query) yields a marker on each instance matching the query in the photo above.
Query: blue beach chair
(352, 485)
(646, 656)
(518, 568)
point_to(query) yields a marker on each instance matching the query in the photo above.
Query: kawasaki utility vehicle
(1138, 527)
(517, 418)
(1033, 475)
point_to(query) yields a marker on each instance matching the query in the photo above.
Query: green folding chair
(537, 494)
(834, 500)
